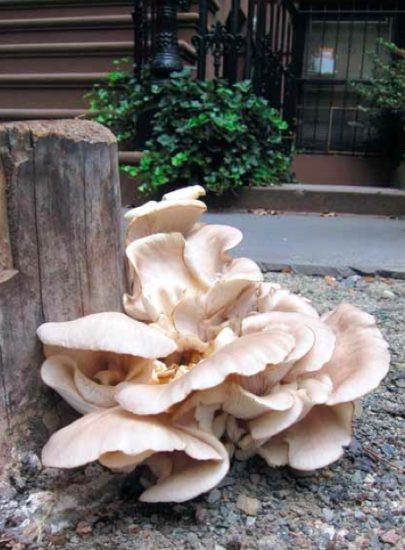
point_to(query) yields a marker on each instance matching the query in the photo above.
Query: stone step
(21, 92)
(291, 197)
(89, 28)
(65, 8)
(53, 91)
(70, 56)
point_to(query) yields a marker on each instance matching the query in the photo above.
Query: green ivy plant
(384, 96)
(207, 132)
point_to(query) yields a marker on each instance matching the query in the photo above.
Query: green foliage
(386, 88)
(223, 137)
(384, 96)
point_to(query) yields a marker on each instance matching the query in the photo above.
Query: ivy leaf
(179, 159)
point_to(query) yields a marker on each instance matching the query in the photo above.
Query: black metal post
(137, 19)
(199, 41)
(166, 52)
(231, 65)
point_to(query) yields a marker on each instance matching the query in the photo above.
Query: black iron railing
(304, 56)
(254, 44)
(301, 55)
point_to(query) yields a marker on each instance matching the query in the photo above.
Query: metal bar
(249, 39)
(270, 24)
(234, 19)
(137, 30)
(298, 29)
(232, 57)
(200, 41)
(334, 85)
(391, 12)
(330, 125)
(259, 50)
(363, 56)
(145, 31)
(314, 134)
(277, 32)
(150, 26)
(283, 29)
(283, 52)
(261, 18)
(378, 33)
(349, 55)
(290, 6)
(324, 81)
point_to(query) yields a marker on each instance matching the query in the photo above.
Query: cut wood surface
(60, 253)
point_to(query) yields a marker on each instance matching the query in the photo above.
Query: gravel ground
(356, 503)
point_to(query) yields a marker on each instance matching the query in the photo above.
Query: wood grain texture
(61, 212)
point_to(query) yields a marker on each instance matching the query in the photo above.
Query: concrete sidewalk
(313, 244)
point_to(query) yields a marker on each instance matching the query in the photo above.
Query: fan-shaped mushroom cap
(206, 250)
(313, 442)
(171, 216)
(108, 332)
(315, 356)
(122, 440)
(246, 356)
(360, 358)
(191, 192)
(160, 291)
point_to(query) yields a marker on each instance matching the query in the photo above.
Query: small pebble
(83, 528)
(214, 496)
(201, 514)
(389, 450)
(255, 478)
(248, 505)
(390, 537)
(193, 539)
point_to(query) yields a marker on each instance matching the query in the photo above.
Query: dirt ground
(356, 503)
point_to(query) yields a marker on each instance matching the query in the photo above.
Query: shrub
(384, 96)
(208, 132)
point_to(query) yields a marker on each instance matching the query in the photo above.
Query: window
(337, 52)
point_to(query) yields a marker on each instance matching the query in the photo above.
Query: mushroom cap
(113, 332)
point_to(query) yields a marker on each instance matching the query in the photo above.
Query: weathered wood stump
(60, 254)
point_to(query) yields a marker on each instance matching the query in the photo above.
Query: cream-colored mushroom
(122, 441)
(214, 363)
(88, 357)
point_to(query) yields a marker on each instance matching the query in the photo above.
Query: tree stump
(60, 254)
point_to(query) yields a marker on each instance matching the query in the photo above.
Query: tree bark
(60, 255)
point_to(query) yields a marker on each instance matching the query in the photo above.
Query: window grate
(339, 40)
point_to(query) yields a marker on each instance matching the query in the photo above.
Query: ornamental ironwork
(156, 41)
(219, 42)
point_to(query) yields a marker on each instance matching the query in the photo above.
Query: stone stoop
(53, 51)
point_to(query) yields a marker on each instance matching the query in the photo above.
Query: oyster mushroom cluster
(208, 363)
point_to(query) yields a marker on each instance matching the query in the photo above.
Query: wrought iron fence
(252, 43)
(301, 55)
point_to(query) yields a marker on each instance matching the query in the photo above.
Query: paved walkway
(310, 243)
